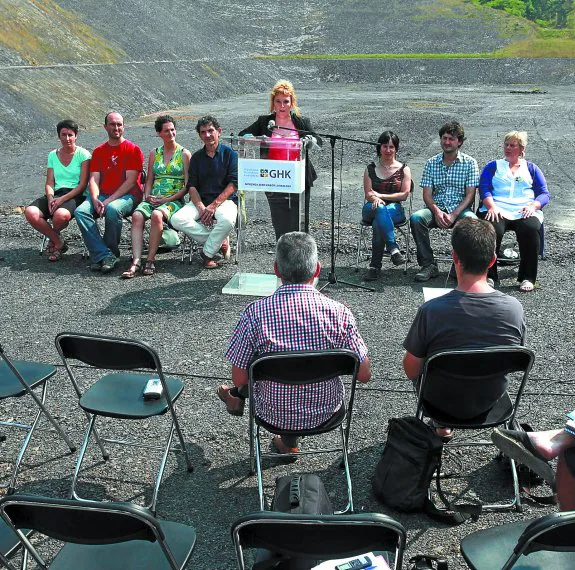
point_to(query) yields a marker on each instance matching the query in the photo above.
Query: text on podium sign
(261, 175)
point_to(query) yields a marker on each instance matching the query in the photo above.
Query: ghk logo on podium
(275, 173)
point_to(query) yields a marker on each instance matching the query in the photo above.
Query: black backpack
(411, 455)
(302, 494)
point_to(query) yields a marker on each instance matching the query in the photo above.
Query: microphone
(271, 125)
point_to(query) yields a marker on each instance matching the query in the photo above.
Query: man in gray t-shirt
(472, 316)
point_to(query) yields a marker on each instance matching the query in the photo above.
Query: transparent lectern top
(270, 148)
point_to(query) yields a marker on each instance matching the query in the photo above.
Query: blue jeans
(383, 220)
(421, 222)
(98, 246)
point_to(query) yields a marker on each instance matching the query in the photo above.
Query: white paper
(433, 292)
(377, 562)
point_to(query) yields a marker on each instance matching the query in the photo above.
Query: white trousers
(186, 220)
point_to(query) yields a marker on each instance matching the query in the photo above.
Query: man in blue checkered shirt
(297, 317)
(448, 181)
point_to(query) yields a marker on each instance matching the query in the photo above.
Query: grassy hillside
(41, 32)
(80, 58)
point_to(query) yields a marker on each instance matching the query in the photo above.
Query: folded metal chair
(318, 537)
(454, 378)
(542, 544)
(296, 369)
(9, 542)
(20, 378)
(97, 536)
(120, 395)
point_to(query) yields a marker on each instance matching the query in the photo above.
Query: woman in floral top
(165, 187)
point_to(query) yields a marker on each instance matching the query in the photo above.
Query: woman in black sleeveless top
(386, 183)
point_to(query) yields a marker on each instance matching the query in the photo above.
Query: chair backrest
(554, 532)
(80, 522)
(107, 352)
(305, 367)
(318, 536)
(476, 375)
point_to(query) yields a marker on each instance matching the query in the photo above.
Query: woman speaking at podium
(284, 125)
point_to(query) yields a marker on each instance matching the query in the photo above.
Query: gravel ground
(182, 312)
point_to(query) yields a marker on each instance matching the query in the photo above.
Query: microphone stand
(332, 278)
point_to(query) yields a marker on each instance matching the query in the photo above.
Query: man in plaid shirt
(448, 181)
(296, 317)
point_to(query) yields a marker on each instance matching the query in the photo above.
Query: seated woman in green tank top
(163, 193)
(66, 180)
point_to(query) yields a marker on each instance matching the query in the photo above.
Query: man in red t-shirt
(115, 190)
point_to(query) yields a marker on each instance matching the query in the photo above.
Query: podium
(259, 172)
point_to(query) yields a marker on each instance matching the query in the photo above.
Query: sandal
(526, 286)
(56, 253)
(149, 268)
(280, 449)
(131, 272)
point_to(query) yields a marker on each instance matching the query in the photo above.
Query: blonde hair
(520, 137)
(284, 87)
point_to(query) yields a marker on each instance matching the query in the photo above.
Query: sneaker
(372, 274)
(490, 282)
(234, 404)
(427, 272)
(96, 266)
(225, 249)
(208, 262)
(109, 263)
(397, 258)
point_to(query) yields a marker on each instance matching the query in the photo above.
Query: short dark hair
(474, 242)
(206, 120)
(454, 129)
(67, 124)
(384, 138)
(162, 120)
(296, 257)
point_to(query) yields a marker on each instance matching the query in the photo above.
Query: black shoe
(109, 263)
(397, 258)
(372, 274)
(426, 273)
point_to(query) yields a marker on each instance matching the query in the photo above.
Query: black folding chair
(452, 379)
(19, 378)
(120, 395)
(317, 537)
(97, 536)
(9, 542)
(403, 227)
(543, 544)
(296, 369)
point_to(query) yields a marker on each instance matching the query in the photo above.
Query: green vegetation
(545, 13)
(42, 33)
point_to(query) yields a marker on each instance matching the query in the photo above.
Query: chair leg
(184, 449)
(407, 246)
(73, 494)
(359, 242)
(40, 403)
(258, 461)
(30, 432)
(152, 505)
(349, 506)
(251, 436)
